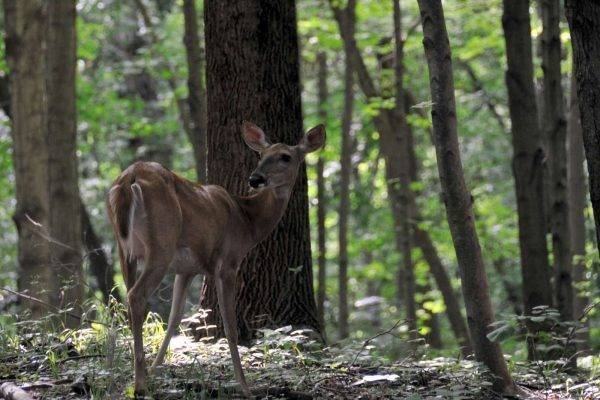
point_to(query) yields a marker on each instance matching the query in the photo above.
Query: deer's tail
(121, 198)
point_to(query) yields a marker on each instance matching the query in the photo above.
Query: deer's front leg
(226, 281)
(138, 299)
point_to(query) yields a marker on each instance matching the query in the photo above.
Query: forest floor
(95, 362)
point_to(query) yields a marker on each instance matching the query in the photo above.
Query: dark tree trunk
(584, 21)
(555, 129)
(577, 204)
(196, 94)
(345, 173)
(65, 207)
(457, 198)
(100, 267)
(24, 24)
(528, 157)
(321, 202)
(256, 42)
(397, 154)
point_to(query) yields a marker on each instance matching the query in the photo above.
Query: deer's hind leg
(154, 271)
(182, 281)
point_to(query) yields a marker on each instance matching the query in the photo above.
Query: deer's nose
(257, 180)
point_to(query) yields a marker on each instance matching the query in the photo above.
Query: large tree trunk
(24, 25)
(346, 169)
(196, 95)
(555, 129)
(457, 198)
(65, 206)
(256, 42)
(397, 153)
(577, 204)
(321, 205)
(584, 21)
(528, 156)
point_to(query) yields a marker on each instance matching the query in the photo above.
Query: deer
(173, 225)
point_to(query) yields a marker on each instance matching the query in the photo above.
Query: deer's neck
(264, 209)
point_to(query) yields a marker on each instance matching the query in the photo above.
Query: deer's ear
(254, 137)
(313, 140)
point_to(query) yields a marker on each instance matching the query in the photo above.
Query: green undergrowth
(94, 361)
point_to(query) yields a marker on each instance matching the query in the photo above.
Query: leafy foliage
(94, 361)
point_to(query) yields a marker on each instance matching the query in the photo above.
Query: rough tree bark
(555, 130)
(397, 153)
(577, 204)
(528, 156)
(24, 23)
(321, 202)
(457, 198)
(584, 21)
(196, 93)
(349, 21)
(65, 206)
(256, 42)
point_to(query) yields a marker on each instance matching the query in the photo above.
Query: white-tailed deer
(174, 225)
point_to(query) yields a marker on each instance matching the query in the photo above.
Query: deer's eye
(286, 158)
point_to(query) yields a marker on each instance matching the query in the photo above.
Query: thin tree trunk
(196, 94)
(436, 268)
(100, 267)
(440, 275)
(432, 337)
(403, 180)
(256, 42)
(182, 106)
(555, 129)
(384, 124)
(346, 153)
(577, 204)
(528, 156)
(321, 204)
(457, 198)
(373, 291)
(487, 99)
(65, 207)
(24, 23)
(584, 21)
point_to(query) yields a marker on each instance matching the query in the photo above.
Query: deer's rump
(143, 208)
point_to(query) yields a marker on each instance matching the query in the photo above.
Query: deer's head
(279, 163)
